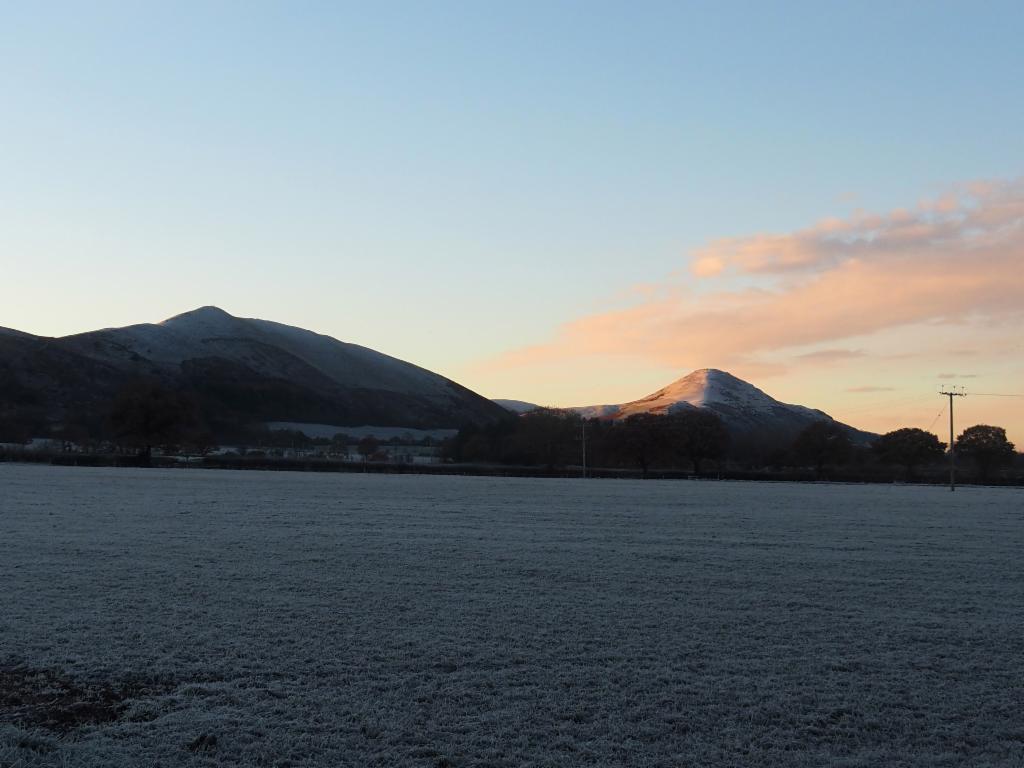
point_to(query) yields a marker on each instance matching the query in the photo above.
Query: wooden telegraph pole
(583, 440)
(951, 393)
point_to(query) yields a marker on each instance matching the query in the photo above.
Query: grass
(276, 619)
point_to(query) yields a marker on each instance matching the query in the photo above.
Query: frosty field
(189, 617)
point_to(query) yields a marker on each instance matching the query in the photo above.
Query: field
(189, 617)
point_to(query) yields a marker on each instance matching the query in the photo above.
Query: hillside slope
(745, 409)
(239, 372)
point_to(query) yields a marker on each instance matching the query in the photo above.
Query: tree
(145, 413)
(909, 447)
(201, 441)
(289, 438)
(641, 439)
(339, 444)
(368, 447)
(821, 443)
(545, 436)
(15, 428)
(697, 435)
(987, 447)
(482, 444)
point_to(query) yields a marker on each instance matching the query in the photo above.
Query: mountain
(744, 408)
(515, 406)
(239, 371)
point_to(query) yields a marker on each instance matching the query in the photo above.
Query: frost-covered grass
(222, 618)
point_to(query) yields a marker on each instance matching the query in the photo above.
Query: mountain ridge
(258, 372)
(743, 408)
(238, 370)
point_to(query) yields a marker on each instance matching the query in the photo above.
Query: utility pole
(951, 393)
(583, 437)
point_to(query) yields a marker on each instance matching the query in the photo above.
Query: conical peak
(703, 377)
(207, 313)
(708, 374)
(706, 386)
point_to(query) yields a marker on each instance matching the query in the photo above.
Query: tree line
(553, 438)
(146, 414)
(697, 441)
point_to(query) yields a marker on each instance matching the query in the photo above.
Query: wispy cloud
(867, 389)
(973, 216)
(951, 260)
(828, 355)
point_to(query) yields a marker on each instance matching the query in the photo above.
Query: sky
(568, 203)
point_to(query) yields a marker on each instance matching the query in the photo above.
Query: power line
(995, 394)
(937, 417)
(862, 409)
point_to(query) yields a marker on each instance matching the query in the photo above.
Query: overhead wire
(936, 419)
(863, 408)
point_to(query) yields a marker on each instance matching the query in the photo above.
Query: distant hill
(516, 406)
(745, 409)
(240, 372)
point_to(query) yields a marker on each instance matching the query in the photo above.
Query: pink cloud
(973, 216)
(938, 263)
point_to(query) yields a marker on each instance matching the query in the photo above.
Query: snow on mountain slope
(711, 388)
(515, 406)
(346, 363)
(268, 371)
(599, 411)
(705, 388)
(743, 407)
(212, 332)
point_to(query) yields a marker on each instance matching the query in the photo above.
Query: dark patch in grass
(205, 742)
(35, 745)
(424, 752)
(54, 701)
(371, 731)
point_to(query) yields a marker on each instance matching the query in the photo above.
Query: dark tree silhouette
(909, 447)
(822, 443)
(200, 441)
(478, 447)
(339, 444)
(987, 447)
(145, 413)
(16, 428)
(546, 436)
(368, 447)
(697, 435)
(641, 439)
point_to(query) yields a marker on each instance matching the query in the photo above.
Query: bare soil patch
(55, 701)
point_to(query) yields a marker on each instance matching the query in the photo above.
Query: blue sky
(446, 182)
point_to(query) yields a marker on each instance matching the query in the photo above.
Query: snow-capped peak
(741, 405)
(705, 387)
